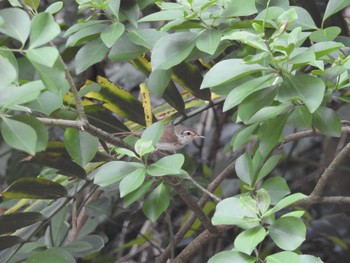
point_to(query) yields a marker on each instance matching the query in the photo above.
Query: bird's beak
(200, 136)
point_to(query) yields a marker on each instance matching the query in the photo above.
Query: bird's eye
(188, 133)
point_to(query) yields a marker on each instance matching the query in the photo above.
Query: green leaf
(165, 15)
(334, 6)
(137, 194)
(91, 53)
(9, 241)
(80, 145)
(46, 103)
(238, 94)
(54, 8)
(287, 201)
(263, 201)
(124, 49)
(34, 188)
(287, 17)
(46, 56)
(18, 95)
(249, 239)
(33, 4)
(282, 257)
(124, 151)
(324, 48)
(146, 37)
(80, 33)
(43, 30)
(244, 168)
(230, 212)
(327, 34)
(19, 135)
(269, 133)
(8, 73)
(172, 49)
(268, 166)
(308, 89)
(231, 256)
(40, 129)
(157, 202)
(153, 133)
(209, 40)
(239, 8)
(300, 117)
(16, 24)
(143, 147)
(11, 222)
(52, 255)
(269, 113)
(158, 81)
(277, 188)
(288, 232)
(132, 181)
(304, 20)
(309, 259)
(243, 136)
(169, 165)
(228, 70)
(114, 171)
(111, 33)
(327, 122)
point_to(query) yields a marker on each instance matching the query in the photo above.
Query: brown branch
(330, 171)
(80, 125)
(340, 200)
(197, 244)
(229, 170)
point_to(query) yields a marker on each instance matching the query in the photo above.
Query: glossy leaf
(8, 73)
(209, 40)
(281, 257)
(300, 118)
(224, 216)
(52, 255)
(11, 222)
(269, 113)
(277, 188)
(46, 56)
(80, 33)
(247, 241)
(146, 37)
(288, 232)
(268, 166)
(91, 53)
(228, 70)
(19, 135)
(327, 122)
(16, 24)
(124, 49)
(132, 181)
(80, 145)
(172, 49)
(43, 30)
(137, 194)
(244, 168)
(327, 34)
(333, 6)
(114, 171)
(309, 259)
(54, 8)
(157, 202)
(40, 130)
(158, 81)
(289, 200)
(34, 188)
(169, 165)
(308, 89)
(46, 103)
(153, 133)
(231, 256)
(111, 34)
(33, 4)
(238, 94)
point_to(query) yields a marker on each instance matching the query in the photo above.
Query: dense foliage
(254, 76)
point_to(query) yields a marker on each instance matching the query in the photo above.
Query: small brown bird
(176, 137)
